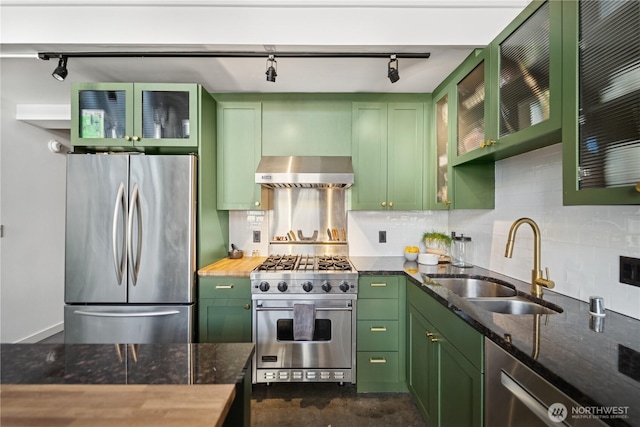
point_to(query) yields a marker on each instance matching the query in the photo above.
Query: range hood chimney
(305, 172)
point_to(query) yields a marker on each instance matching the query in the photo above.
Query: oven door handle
(259, 307)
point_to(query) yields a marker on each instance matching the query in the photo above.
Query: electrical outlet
(630, 271)
(256, 236)
(382, 237)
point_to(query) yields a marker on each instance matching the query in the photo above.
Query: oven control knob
(282, 286)
(264, 286)
(307, 286)
(326, 286)
(344, 286)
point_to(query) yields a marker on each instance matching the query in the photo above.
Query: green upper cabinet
(601, 117)
(465, 186)
(239, 150)
(388, 154)
(437, 172)
(306, 125)
(508, 96)
(134, 115)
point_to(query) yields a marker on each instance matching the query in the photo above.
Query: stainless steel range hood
(305, 172)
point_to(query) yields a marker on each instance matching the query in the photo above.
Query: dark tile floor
(323, 405)
(329, 405)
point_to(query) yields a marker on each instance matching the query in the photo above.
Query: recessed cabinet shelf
(46, 116)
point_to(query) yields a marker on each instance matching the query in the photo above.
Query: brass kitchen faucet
(537, 281)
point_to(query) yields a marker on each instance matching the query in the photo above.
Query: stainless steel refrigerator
(130, 248)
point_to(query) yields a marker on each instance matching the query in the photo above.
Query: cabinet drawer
(378, 367)
(224, 287)
(378, 287)
(375, 335)
(377, 309)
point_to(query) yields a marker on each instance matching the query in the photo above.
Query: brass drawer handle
(378, 329)
(431, 337)
(378, 285)
(224, 286)
(377, 360)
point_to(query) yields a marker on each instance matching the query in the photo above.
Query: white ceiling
(448, 30)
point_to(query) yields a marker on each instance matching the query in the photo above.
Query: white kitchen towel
(304, 321)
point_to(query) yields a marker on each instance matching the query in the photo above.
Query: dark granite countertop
(594, 368)
(124, 363)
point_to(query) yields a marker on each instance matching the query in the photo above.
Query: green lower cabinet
(381, 341)
(445, 369)
(224, 310)
(422, 374)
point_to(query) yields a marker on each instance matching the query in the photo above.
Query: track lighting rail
(230, 54)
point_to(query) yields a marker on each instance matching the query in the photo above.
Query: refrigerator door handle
(119, 264)
(132, 314)
(135, 205)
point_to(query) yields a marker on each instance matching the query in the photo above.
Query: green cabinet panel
(446, 364)
(422, 370)
(371, 309)
(224, 320)
(377, 335)
(461, 389)
(224, 309)
(381, 334)
(388, 154)
(380, 369)
(379, 286)
(135, 115)
(224, 287)
(601, 125)
(239, 151)
(306, 126)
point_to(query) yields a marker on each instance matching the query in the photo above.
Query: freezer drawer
(128, 324)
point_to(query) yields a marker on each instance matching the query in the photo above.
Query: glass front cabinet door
(601, 118)
(509, 97)
(134, 115)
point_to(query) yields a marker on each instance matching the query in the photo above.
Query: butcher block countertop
(231, 267)
(102, 405)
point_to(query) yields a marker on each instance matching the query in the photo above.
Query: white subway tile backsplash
(581, 245)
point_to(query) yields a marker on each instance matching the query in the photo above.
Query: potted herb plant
(436, 242)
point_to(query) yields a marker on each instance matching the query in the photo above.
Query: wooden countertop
(112, 405)
(231, 267)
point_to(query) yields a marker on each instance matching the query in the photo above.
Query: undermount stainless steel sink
(471, 287)
(515, 305)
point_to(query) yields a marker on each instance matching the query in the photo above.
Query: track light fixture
(272, 71)
(60, 73)
(393, 73)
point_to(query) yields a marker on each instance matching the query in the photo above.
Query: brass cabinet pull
(446, 202)
(378, 285)
(377, 360)
(247, 306)
(638, 187)
(136, 138)
(257, 203)
(378, 329)
(384, 204)
(390, 204)
(431, 337)
(224, 286)
(127, 137)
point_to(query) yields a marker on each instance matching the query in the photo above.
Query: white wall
(32, 197)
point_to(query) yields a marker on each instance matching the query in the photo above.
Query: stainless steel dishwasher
(517, 396)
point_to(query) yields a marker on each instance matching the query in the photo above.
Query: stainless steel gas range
(311, 294)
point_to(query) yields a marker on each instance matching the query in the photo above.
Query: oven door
(332, 343)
